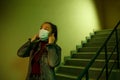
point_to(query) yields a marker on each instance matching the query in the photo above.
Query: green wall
(21, 19)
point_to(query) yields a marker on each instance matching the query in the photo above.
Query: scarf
(37, 56)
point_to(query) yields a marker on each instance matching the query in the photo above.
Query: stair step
(75, 71)
(103, 35)
(68, 77)
(83, 62)
(65, 77)
(99, 41)
(70, 70)
(105, 31)
(96, 44)
(102, 39)
(90, 55)
(115, 75)
(93, 49)
(100, 35)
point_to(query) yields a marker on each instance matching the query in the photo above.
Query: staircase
(79, 58)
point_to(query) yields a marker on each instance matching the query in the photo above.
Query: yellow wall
(20, 19)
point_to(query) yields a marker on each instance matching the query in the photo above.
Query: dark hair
(54, 29)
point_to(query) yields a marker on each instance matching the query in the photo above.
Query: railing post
(106, 61)
(117, 48)
(87, 75)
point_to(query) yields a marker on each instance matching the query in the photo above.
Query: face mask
(43, 34)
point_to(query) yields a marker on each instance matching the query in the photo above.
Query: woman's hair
(54, 30)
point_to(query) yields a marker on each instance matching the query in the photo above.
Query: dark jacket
(47, 62)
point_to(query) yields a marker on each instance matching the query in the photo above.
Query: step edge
(98, 60)
(66, 75)
(93, 68)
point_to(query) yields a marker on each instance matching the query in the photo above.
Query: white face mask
(43, 34)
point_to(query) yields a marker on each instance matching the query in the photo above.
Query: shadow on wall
(100, 9)
(108, 12)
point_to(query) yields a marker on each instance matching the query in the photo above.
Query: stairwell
(79, 58)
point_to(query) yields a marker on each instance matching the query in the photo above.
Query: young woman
(43, 52)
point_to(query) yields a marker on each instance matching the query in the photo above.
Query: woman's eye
(46, 28)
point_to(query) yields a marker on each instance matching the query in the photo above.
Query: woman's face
(47, 27)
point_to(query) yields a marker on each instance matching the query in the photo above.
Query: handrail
(105, 64)
(85, 71)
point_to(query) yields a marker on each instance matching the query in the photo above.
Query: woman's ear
(53, 34)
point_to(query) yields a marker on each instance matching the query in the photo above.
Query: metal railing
(104, 48)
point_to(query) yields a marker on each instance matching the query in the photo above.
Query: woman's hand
(34, 37)
(51, 38)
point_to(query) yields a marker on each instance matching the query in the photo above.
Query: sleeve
(54, 55)
(24, 50)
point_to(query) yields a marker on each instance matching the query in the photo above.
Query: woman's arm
(54, 55)
(24, 50)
